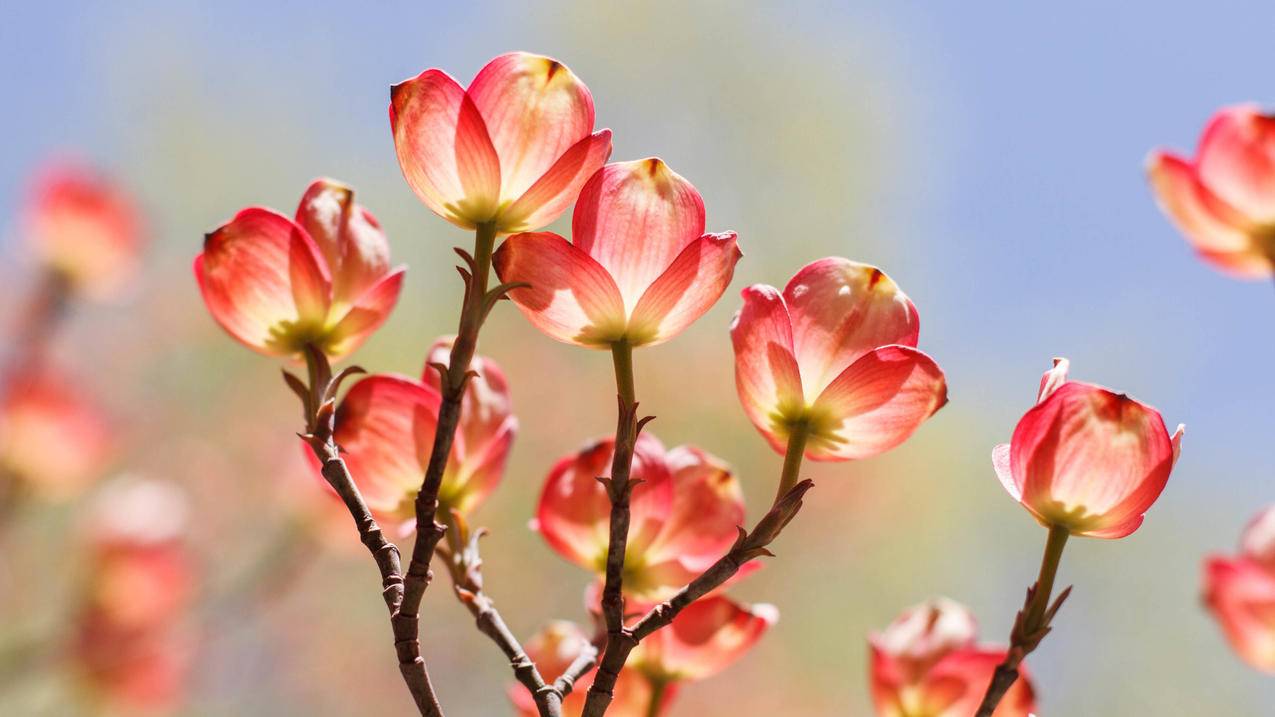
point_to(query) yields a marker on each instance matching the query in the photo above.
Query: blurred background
(991, 161)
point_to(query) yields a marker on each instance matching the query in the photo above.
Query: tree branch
(465, 565)
(455, 376)
(749, 546)
(320, 424)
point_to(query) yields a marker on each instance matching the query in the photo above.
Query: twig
(455, 376)
(749, 546)
(1032, 624)
(321, 400)
(465, 565)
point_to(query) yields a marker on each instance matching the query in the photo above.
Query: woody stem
(1032, 623)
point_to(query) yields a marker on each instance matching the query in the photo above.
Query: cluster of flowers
(826, 369)
(129, 639)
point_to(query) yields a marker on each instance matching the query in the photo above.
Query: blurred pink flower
(54, 440)
(130, 648)
(685, 514)
(926, 664)
(834, 353)
(385, 426)
(1240, 592)
(1087, 458)
(1223, 200)
(85, 228)
(513, 149)
(639, 267)
(277, 285)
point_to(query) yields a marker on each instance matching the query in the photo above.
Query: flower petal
(1241, 595)
(559, 186)
(875, 404)
(634, 218)
(571, 297)
(1236, 161)
(925, 634)
(1218, 232)
(385, 426)
(708, 636)
(1091, 459)
(355, 248)
(766, 374)
(264, 280)
(486, 406)
(955, 686)
(444, 150)
(535, 109)
(841, 310)
(365, 316)
(574, 512)
(1258, 540)
(1001, 464)
(707, 511)
(686, 290)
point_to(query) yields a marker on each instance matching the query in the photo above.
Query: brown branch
(465, 565)
(455, 376)
(749, 546)
(320, 424)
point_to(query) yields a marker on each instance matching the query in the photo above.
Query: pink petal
(486, 406)
(574, 512)
(571, 297)
(1005, 472)
(385, 426)
(444, 150)
(365, 316)
(84, 226)
(1236, 161)
(351, 240)
(840, 311)
(1258, 540)
(265, 282)
(558, 187)
(955, 686)
(477, 474)
(634, 218)
(1053, 378)
(766, 374)
(707, 511)
(1241, 595)
(925, 634)
(686, 290)
(553, 649)
(707, 637)
(875, 404)
(1219, 233)
(535, 109)
(1091, 459)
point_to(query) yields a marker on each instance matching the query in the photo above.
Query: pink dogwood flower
(1087, 458)
(834, 355)
(1240, 592)
(85, 227)
(639, 268)
(927, 664)
(385, 427)
(278, 285)
(1223, 199)
(511, 150)
(685, 514)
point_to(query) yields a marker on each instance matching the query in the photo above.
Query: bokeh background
(989, 158)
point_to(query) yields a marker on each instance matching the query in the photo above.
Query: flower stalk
(1033, 621)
